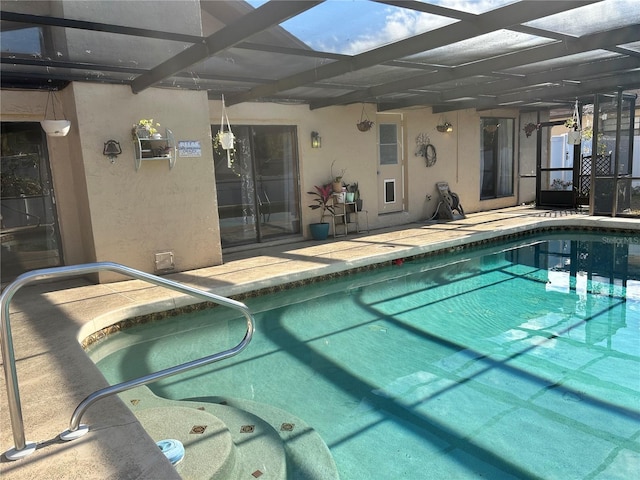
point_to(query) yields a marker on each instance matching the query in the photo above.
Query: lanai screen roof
(448, 55)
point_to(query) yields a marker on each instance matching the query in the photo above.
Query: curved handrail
(15, 411)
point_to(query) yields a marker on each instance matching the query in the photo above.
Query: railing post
(23, 448)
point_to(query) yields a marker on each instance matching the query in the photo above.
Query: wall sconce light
(445, 127)
(316, 140)
(112, 149)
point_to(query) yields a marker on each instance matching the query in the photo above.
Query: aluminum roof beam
(543, 53)
(602, 68)
(497, 19)
(258, 20)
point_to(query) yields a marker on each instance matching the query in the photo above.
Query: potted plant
(56, 128)
(351, 192)
(356, 196)
(322, 194)
(145, 128)
(529, 128)
(574, 137)
(364, 125)
(336, 181)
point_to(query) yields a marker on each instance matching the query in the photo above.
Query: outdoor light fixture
(316, 140)
(112, 149)
(445, 127)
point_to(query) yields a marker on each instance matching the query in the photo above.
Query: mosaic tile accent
(135, 401)
(287, 427)
(247, 428)
(256, 474)
(198, 429)
(130, 322)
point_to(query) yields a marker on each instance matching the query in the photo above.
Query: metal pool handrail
(23, 448)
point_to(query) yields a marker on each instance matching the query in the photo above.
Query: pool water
(519, 360)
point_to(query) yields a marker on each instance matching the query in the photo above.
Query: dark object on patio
(449, 203)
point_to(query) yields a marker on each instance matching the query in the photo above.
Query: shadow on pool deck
(48, 321)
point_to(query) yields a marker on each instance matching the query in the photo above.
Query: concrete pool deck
(49, 320)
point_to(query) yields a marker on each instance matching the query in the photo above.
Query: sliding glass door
(30, 237)
(257, 184)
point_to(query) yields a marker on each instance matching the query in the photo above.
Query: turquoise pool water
(521, 360)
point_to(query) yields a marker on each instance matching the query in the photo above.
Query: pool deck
(48, 321)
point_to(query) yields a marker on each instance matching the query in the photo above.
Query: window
(388, 144)
(496, 157)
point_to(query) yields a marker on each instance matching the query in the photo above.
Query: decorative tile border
(152, 317)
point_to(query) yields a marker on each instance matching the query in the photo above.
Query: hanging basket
(227, 140)
(56, 128)
(364, 125)
(574, 137)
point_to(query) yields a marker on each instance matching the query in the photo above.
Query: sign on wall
(189, 148)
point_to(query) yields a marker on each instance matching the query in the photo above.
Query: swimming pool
(519, 360)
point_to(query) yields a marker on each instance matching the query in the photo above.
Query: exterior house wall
(354, 151)
(458, 161)
(111, 212)
(136, 214)
(458, 155)
(67, 170)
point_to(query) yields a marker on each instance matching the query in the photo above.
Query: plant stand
(149, 148)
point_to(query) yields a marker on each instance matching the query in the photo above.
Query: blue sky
(355, 26)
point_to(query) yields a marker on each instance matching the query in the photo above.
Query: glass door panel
(236, 192)
(258, 196)
(556, 172)
(29, 232)
(276, 180)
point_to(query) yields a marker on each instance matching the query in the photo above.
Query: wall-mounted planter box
(155, 147)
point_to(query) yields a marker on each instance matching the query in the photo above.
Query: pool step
(221, 442)
(228, 438)
(209, 453)
(307, 455)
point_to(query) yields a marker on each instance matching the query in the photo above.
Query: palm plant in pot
(322, 194)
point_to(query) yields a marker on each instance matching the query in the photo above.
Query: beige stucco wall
(136, 214)
(111, 212)
(458, 154)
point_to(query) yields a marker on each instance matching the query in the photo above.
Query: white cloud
(399, 24)
(372, 28)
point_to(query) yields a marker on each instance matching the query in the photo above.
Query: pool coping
(157, 311)
(70, 311)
